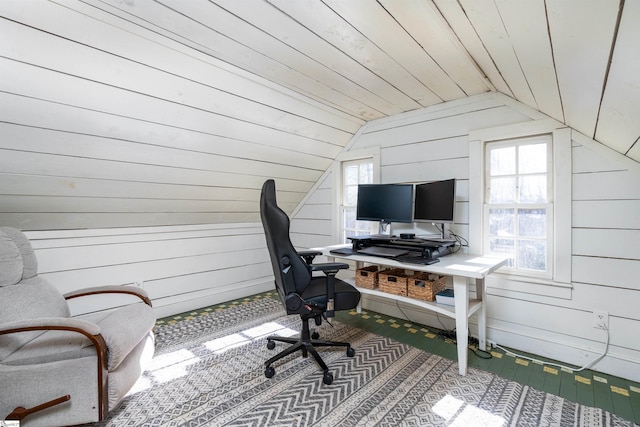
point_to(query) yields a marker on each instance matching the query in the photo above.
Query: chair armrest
(51, 323)
(131, 290)
(86, 328)
(330, 269)
(309, 255)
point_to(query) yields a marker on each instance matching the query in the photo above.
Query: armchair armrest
(51, 323)
(330, 269)
(86, 328)
(131, 290)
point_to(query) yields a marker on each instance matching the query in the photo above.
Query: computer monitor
(435, 202)
(386, 203)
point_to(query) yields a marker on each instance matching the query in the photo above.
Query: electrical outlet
(491, 344)
(600, 319)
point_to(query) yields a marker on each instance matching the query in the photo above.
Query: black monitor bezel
(420, 212)
(381, 217)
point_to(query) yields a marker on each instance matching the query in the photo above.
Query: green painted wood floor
(613, 394)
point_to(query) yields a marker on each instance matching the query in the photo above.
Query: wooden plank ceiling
(276, 88)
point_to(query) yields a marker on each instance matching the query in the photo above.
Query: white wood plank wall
(107, 123)
(181, 267)
(551, 321)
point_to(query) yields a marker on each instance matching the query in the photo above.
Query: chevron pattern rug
(208, 371)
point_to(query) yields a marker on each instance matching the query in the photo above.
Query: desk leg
(482, 315)
(461, 300)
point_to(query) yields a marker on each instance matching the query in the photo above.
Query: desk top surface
(465, 265)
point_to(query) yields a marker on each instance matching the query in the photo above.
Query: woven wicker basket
(393, 281)
(367, 277)
(425, 286)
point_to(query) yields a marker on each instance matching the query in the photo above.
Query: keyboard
(416, 259)
(383, 251)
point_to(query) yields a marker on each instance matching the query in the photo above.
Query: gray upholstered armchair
(61, 370)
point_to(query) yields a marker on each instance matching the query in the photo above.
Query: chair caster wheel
(327, 378)
(269, 371)
(315, 335)
(350, 352)
(271, 344)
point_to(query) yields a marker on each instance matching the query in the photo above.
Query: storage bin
(425, 286)
(367, 277)
(393, 281)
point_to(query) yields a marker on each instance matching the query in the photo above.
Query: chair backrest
(291, 273)
(16, 257)
(23, 294)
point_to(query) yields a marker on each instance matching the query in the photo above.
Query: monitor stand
(383, 228)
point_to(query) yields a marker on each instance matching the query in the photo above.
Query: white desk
(463, 268)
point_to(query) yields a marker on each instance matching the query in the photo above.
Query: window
(354, 172)
(518, 204)
(511, 211)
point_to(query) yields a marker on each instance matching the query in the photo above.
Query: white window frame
(344, 164)
(548, 206)
(372, 153)
(561, 142)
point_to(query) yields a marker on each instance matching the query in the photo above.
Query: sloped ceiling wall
(142, 112)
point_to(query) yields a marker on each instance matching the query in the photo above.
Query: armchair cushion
(11, 261)
(123, 329)
(25, 255)
(33, 298)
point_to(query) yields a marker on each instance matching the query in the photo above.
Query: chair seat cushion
(346, 296)
(123, 328)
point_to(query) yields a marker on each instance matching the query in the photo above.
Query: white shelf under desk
(463, 268)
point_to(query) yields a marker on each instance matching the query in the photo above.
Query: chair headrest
(17, 260)
(269, 191)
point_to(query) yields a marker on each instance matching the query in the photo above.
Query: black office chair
(312, 297)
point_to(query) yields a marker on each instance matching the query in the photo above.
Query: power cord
(450, 334)
(587, 366)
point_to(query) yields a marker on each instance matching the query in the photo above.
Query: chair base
(307, 345)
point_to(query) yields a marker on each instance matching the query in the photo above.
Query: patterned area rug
(209, 371)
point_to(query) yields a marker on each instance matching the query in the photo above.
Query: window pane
(503, 161)
(532, 158)
(503, 248)
(351, 175)
(533, 189)
(366, 173)
(350, 195)
(502, 190)
(532, 255)
(349, 218)
(501, 222)
(532, 222)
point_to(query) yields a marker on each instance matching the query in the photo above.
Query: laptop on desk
(344, 251)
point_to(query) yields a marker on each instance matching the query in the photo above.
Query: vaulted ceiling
(150, 112)
(575, 60)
